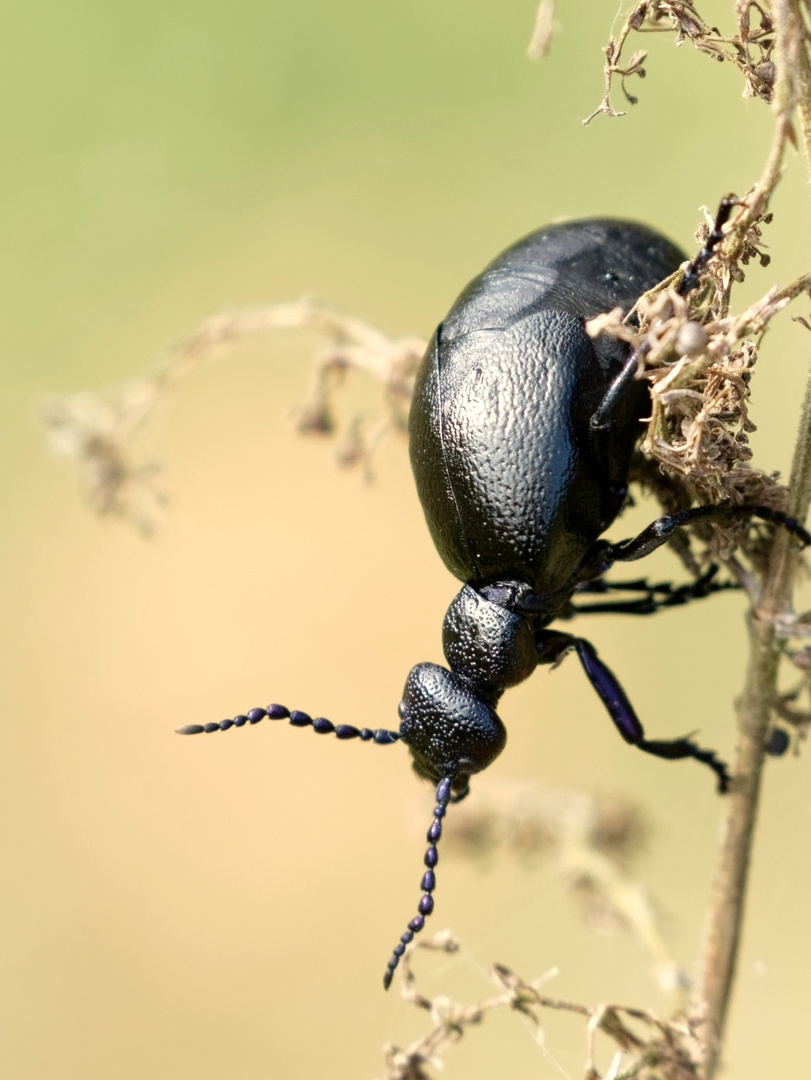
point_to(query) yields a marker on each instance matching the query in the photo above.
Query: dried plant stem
(793, 86)
(648, 1040)
(725, 914)
(723, 929)
(544, 29)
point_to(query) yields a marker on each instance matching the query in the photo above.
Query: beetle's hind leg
(552, 647)
(662, 595)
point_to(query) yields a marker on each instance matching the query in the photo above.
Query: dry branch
(94, 430)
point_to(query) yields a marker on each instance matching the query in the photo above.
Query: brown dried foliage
(647, 1046)
(698, 359)
(750, 49)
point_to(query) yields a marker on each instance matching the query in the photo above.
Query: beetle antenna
(320, 724)
(426, 904)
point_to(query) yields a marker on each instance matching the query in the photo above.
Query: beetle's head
(448, 729)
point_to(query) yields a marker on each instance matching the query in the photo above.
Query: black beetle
(521, 431)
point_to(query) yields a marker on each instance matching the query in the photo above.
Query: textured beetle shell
(446, 726)
(487, 645)
(511, 481)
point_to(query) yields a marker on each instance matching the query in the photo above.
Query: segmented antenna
(381, 736)
(426, 904)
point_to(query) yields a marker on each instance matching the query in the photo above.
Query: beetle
(521, 432)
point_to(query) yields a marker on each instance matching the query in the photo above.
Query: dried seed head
(692, 339)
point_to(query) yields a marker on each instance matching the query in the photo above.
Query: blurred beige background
(224, 908)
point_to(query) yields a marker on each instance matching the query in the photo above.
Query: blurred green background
(224, 908)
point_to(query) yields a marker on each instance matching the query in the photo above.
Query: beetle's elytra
(521, 434)
(512, 480)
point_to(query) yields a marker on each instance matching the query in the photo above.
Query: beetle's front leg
(553, 646)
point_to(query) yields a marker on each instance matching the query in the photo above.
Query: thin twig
(749, 50)
(723, 929)
(95, 430)
(658, 1043)
(725, 916)
(543, 31)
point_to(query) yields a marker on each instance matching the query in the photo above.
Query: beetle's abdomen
(506, 470)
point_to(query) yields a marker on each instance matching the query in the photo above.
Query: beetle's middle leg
(628, 375)
(660, 530)
(602, 555)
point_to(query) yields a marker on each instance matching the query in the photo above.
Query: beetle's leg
(645, 605)
(659, 531)
(626, 379)
(428, 884)
(658, 596)
(600, 585)
(627, 376)
(602, 554)
(615, 395)
(696, 267)
(552, 646)
(320, 724)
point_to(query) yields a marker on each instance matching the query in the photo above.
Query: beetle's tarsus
(696, 268)
(678, 749)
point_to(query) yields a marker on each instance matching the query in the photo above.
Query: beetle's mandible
(521, 431)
